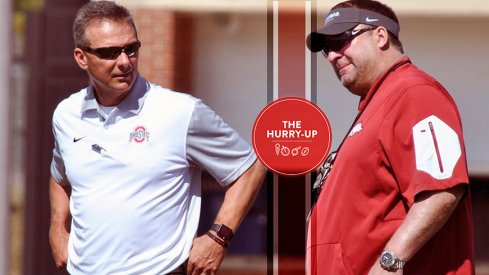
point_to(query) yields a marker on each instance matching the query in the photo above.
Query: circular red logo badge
(292, 136)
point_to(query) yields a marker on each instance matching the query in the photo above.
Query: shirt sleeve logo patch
(437, 147)
(139, 135)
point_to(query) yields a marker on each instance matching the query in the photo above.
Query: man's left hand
(205, 257)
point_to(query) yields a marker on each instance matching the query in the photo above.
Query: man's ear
(382, 37)
(80, 58)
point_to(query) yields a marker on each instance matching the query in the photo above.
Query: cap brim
(317, 40)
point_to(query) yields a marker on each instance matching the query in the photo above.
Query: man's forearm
(240, 196)
(424, 219)
(207, 254)
(59, 196)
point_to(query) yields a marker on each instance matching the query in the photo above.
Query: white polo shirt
(135, 176)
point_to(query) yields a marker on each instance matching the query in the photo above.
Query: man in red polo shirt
(396, 199)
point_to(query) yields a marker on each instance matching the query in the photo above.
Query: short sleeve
(214, 146)
(424, 141)
(57, 165)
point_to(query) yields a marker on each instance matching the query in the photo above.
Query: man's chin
(124, 80)
(349, 85)
(346, 82)
(119, 89)
(124, 84)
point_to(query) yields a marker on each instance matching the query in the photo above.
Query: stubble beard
(348, 79)
(351, 82)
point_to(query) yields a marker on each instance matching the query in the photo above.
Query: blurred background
(217, 50)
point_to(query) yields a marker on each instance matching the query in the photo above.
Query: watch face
(387, 259)
(225, 232)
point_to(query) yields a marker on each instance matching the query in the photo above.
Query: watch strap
(400, 264)
(217, 239)
(223, 231)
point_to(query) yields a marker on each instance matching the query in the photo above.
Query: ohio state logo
(139, 135)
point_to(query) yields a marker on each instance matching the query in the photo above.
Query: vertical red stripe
(291, 49)
(291, 193)
(437, 149)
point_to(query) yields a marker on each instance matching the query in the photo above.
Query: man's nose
(332, 56)
(123, 60)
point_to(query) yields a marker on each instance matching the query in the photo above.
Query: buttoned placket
(106, 122)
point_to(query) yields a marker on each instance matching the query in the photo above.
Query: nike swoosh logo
(371, 20)
(353, 32)
(78, 139)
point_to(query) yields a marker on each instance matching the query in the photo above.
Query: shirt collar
(133, 102)
(364, 100)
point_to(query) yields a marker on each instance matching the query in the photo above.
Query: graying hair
(96, 12)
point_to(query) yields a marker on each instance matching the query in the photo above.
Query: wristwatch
(223, 232)
(389, 261)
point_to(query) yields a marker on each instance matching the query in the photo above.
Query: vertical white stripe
(275, 224)
(275, 177)
(308, 52)
(308, 97)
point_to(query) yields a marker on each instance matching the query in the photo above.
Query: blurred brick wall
(166, 52)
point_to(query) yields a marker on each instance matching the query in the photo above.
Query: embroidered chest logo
(139, 135)
(356, 129)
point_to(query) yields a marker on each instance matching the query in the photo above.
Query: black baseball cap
(338, 21)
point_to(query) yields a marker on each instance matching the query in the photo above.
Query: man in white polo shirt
(127, 160)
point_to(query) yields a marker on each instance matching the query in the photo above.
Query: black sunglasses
(112, 53)
(337, 42)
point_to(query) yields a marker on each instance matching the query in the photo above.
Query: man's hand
(205, 257)
(378, 270)
(58, 238)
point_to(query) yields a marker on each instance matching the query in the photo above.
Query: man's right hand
(58, 238)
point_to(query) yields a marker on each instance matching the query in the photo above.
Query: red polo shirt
(407, 140)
